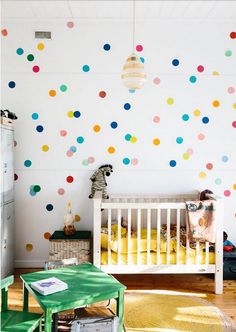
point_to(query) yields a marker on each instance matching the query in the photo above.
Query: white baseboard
(29, 263)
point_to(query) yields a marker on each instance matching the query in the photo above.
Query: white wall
(194, 43)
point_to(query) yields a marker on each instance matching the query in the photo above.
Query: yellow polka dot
(29, 247)
(234, 186)
(52, 93)
(40, 46)
(234, 105)
(156, 141)
(111, 149)
(45, 148)
(133, 139)
(186, 156)
(70, 114)
(215, 73)
(216, 103)
(170, 101)
(197, 112)
(77, 217)
(96, 128)
(202, 175)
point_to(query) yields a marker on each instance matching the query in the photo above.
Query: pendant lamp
(133, 74)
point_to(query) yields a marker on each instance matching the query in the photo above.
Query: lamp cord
(133, 22)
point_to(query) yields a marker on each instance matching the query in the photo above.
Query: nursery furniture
(149, 234)
(86, 285)
(12, 320)
(64, 246)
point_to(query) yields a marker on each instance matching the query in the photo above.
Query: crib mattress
(153, 258)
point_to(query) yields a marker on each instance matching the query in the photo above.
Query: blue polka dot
(35, 116)
(80, 139)
(172, 163)
(107, 47)
(39, 128)
(11, 84)
(128, 137)
(86, 68)
(185, 117)
(179, 140)
(175, 62)
(225, 159)
(32, 192)
(73, 149)
(49, 207)
(114, 124)
(19, 51)
(132, 91)
(205, 119)
(126, 161)
(127, 106)
(28, 163)
(192, 79)
(77, 114)
(142, 59)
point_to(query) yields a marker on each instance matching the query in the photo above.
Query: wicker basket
(68, 248)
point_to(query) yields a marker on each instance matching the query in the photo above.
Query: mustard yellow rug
(148, 311)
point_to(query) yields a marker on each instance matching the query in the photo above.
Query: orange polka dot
(29, 247)
(77, 217)
(47, 235)
(102, 94)
(216, 103)
(156, 141)
(96, 128)
(234, 186)
(52, 93)
(111, 149)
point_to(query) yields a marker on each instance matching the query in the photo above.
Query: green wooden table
(86, 285)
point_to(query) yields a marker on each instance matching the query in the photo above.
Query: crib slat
(148, 235)
(207, 253)
(109, 236)
(178, 236)
(158, 236)
(187, 240)
(129, 235)
(138, 232)
(168, 237)
(119, 236)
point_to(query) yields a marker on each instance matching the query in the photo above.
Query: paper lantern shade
(133, 75)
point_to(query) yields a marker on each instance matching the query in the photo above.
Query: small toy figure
(69, 219)
(227, 245)
(99, 181)
(204, 194)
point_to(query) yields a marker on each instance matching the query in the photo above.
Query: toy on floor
(227, 245)
(69, 219)
(99, 181)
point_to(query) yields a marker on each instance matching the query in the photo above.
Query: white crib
(151, 212)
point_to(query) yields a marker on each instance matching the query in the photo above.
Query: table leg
(25, 298)
(48, 320)
(55, 322)
(120, 310)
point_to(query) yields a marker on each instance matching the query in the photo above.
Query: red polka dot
(102, 94)
(233, 35)
(36, 69)
(4, 32)
(139, 48)
(227, 193)
(209, 166)
(234, 124)
(69, 179)
(200, 69)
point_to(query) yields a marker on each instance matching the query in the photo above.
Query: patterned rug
(151, 311)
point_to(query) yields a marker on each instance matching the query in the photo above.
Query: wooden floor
(200, 285)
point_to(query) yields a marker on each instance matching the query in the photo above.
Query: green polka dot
(30, 57)
(228, 53)
(63, 88)
(85, 162)
(218, 181)
(37, 188)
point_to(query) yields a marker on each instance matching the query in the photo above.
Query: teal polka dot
(179, 140)
(128, 137)
(80, 139)
(28, 163)
(63, 87)
(73, 149)
(185, 117)
(85, 162)
(126, 161)
(19, 51)
(132, 91)
(193, 79)
(228, 53)
(86, 68)
(35, 116)
(225, 159)
(142, 59)
(218, 181)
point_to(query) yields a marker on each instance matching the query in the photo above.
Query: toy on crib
(69, 219)
(99, 181)
(204, 194)
(227, 245)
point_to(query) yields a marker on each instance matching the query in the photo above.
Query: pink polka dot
(227, 193)
(61, 191)
(134, 161)
(201, 136)
(234, 124)
(156, 80)
(69, 153)
(91, 160)
(190, 151)
(4, 32)
(139, 48)
(36, 69)
(156, 119)
(70, 24)
(200, 68)
(63, 132)
(209, 166)
(231, 90)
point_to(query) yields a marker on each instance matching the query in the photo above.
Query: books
(49, 286)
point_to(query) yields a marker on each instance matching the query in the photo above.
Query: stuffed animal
(204, 194)
(99, 181)
(227, 245)
(69, 219)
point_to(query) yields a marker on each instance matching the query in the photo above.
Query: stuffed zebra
(99, 181)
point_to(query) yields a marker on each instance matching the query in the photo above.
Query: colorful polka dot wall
(75, 114)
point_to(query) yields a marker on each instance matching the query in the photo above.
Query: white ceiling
(112, 9)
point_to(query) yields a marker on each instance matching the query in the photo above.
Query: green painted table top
(78, 235)
(86, 285)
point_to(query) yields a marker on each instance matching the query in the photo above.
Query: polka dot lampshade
(133, 75)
